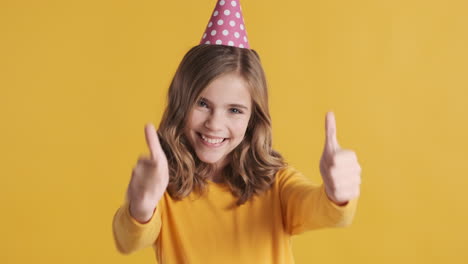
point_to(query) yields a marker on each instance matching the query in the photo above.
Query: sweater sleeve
(306, 206)
(131, 235)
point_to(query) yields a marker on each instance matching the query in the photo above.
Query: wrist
(141, 216)
(335, 202)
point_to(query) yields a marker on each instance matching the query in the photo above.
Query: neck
(217, 175)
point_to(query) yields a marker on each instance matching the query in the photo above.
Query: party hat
(226, 26)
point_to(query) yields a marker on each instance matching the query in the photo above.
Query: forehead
(228, 88)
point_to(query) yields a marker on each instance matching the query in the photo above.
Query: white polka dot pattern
(228, 21)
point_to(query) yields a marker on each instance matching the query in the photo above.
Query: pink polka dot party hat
(226, 26)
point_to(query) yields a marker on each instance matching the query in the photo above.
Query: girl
(213, 190)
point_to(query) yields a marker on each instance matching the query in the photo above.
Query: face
(219, 119)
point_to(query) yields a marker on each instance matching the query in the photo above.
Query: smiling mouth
(210, 141)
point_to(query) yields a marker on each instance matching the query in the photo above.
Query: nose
(214, 121)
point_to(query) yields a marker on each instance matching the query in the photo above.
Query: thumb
(331, 143)
(152, 140)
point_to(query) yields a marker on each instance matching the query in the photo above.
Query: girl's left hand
(341, 172)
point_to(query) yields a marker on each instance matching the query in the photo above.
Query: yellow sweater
(212, 229)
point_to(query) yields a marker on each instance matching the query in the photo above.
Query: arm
(306, 206)
(147, 186)
(131, 235)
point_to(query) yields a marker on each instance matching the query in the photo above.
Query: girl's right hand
(149, 179)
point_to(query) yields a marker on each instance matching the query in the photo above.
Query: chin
(212, 158)
(209, 159)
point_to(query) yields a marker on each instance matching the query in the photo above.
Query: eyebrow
(230, 105)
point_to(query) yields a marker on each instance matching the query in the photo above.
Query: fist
(340, 170)
(150, 178)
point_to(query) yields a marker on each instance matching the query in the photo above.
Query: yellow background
(79, 79)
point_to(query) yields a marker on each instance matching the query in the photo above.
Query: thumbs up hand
(341, 172)
(150, 178)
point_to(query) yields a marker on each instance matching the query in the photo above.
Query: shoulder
(287, 174)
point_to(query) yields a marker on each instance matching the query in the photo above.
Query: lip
(210, 136)
(211, 145)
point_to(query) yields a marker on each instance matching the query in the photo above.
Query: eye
(236, 111)
(202, 103)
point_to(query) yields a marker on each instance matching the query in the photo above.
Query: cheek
(196, 118)
(240, 127)
(191, 124)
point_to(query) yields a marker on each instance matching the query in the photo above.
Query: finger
(143, 157)
(147, 162)
(345, 157)
(152, 140)
(345, 173)
(330, 132)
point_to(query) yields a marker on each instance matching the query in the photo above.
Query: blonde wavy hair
(253, 163)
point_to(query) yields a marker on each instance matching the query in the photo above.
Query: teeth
(212, 141)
